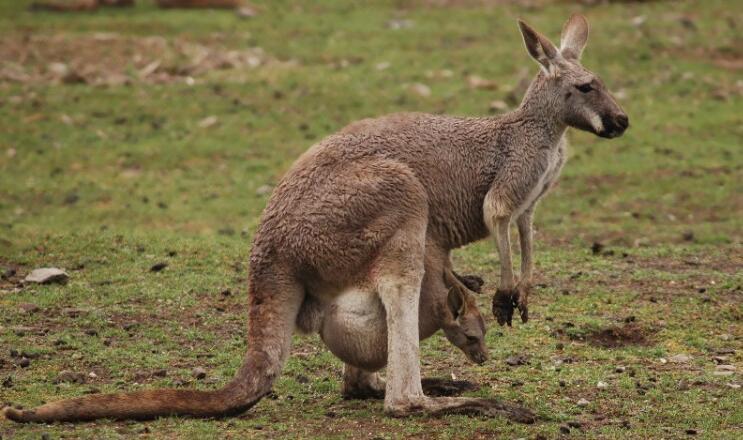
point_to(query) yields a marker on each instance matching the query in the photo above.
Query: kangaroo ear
(456, 302)
(574, 37)
(540, 47)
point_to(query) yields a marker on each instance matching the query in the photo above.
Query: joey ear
(540, 47)
(456, 302)
(574, 37)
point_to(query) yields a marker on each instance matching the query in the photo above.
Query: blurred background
(133, 136)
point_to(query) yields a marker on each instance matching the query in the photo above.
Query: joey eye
(584, 88)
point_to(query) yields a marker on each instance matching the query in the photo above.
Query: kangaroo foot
(439, 406)
(438, 387)
(432, 386)
(360, 384)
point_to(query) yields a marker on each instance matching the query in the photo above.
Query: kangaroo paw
(471, 282)
(504, 302)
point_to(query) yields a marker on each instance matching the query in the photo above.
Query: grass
(107, 180)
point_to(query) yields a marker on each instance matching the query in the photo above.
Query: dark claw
(472, 282)
(504, 302)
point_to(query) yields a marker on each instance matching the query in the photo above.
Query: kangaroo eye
(472, 339)
(584, 88)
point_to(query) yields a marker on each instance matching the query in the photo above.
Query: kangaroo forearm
(524, 224)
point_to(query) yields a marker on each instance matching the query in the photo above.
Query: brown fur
(360, 216)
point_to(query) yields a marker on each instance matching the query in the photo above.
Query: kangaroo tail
(272, 318)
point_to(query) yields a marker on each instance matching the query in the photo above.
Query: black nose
(622, 121)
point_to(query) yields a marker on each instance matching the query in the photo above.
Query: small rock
(564, 429)
(602, 385)
(263, 190)
(725, 367)
(596, 248)
(477, 82)
(583, 402)
(680, 359)
(199, 373)
(28, 308)
(24, 362)
(92, 375)
(498, 106)
(517, 360)
(421, 89)
(70, 377)
(396, 24)
(620, 369)
(209, 121)
(47, 275)
(382, 66)
(562, 383)
(246, 12)
(158, 267)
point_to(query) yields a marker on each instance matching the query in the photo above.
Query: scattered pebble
(602, 385)
(620, 369)
(498, 106)
(263, 190)
(157, 267)
(725, 367)
(92, 375)
(28, 308)
(209, 121)
(24, 362)
(47, 275)
(70, 377)
(583, 402)
(420, 89)
(564, 429)
(680, 359)
(199, 373)
(517, 360)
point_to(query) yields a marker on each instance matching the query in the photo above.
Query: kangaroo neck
(538, 119)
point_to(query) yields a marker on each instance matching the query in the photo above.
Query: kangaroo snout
(615, 125)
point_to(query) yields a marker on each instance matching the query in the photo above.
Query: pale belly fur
(354, 328)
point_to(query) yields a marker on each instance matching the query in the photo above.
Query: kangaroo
(362, 218)
(348, 322)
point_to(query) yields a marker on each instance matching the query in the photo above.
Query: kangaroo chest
(553, 161)
(513, 195)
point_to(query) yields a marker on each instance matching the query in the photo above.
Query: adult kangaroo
(355, 221)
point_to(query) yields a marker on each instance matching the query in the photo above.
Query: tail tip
(13, 414)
